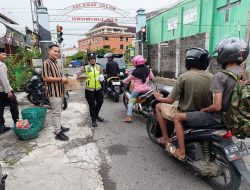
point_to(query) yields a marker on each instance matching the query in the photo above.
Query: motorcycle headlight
(34, 78)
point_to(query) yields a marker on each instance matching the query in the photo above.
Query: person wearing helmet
(231, 53)
(112, 67)
(93, 88)
(140, 75)
(191, 89)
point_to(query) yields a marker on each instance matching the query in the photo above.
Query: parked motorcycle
(142, 103)
(210, 152)
(113, 88)
(2, 179)
(36, 91)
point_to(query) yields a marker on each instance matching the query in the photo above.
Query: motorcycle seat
(141, 94)
(113, 78)
(164, 92)
(219, 126)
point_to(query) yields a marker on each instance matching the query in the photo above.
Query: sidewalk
(45, 163)
(164, 81)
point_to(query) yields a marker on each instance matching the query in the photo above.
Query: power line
(168, 4)
(26, 8)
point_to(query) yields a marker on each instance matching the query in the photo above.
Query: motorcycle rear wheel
(152, 130)
(230, 182)
(65, 103)
(116, 97)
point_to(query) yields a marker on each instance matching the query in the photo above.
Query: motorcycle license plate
(116, 83)
(237, 150)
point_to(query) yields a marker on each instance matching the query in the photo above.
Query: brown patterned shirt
(52, 69)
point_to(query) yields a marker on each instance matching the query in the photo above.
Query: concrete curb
(165, 81)
(73, 164)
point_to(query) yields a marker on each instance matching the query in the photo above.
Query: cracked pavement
(45, 163)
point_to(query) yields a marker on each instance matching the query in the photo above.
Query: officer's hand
(75, 76)
(101, 78)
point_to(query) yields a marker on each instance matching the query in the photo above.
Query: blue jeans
(131, 102)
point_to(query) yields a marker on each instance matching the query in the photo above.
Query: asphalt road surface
(132, 162)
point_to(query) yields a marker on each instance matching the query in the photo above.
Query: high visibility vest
(93, 73)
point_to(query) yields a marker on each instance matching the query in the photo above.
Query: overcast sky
(19, 10)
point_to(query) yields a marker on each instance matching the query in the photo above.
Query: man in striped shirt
(54, 83)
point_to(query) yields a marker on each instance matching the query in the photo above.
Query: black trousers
(95, 101)
(12, 102)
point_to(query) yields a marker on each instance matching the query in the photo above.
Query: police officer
(7, 96)
(93, 89)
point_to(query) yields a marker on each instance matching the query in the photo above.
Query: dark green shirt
(192, 89)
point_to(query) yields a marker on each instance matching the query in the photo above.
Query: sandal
(168, 146)
(161, 140)
(176, 153)
(127, 120)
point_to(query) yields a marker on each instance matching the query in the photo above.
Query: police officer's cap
(91, 55)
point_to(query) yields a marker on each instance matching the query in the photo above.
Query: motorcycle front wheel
(33, 100)
(125, 100)
(229, 178)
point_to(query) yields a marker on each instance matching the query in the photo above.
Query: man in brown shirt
(191, 89)
(53, 79)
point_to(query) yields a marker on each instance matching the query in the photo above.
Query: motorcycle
(37, 92)
(113, 89)
(2, 179)
(142, 103)
(210, 152)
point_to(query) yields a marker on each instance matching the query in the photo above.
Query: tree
(102, 51)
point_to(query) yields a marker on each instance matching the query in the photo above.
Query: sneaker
(64, 129)
(100, 119)
(61, 136)
(4, 129)
(94, 124)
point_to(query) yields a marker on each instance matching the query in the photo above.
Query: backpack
(237, 118)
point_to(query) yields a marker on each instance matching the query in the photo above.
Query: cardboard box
(72, 84)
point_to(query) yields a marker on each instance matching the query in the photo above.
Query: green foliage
(20, 67)
(82, 56)
(102, 51)
(128, 54)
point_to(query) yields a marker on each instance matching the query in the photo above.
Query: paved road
(133, 162)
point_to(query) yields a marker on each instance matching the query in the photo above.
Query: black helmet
(91, 55)
(197, 58)
(232, 50)
(109, 55)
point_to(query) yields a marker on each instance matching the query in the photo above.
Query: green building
(200, 23)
